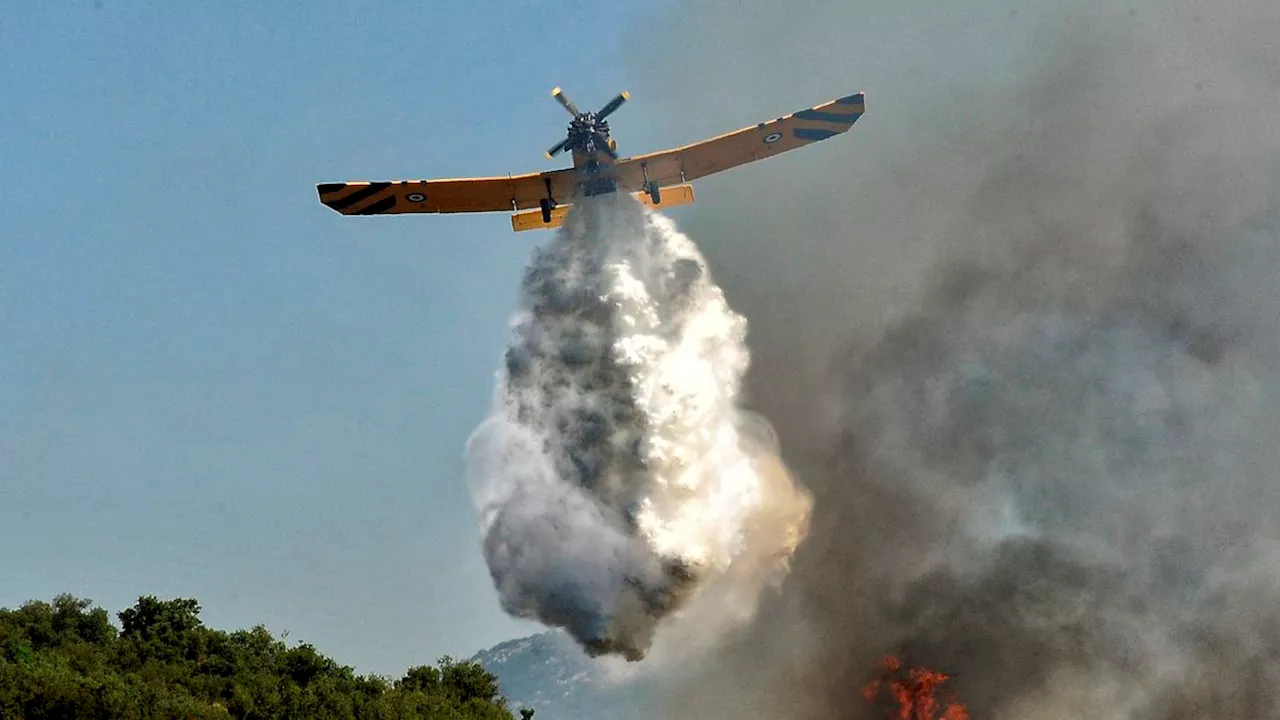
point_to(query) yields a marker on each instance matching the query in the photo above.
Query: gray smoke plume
(1019, 336)
(618, 481)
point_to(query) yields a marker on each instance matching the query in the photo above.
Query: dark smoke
(1019, 337)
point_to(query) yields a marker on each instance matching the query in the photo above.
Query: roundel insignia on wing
(415, 197)
(772, 138)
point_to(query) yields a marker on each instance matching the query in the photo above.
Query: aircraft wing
(485, 194)
(673, 167)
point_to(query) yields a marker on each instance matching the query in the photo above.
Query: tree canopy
(66, 659)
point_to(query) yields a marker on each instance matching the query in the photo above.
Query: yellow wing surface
(514, 192)
(669, 169)
(673, 167)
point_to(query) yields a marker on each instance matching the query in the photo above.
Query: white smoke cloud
(617, 478)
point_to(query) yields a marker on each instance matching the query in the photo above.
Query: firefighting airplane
(541, 200)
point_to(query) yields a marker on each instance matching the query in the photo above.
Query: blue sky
(210, 385)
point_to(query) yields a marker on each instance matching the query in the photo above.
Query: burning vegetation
(913, 694)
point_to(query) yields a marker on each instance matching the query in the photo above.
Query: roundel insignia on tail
(772, 138)
(415, 197)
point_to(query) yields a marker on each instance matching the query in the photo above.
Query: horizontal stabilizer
(532, 219)
(669, 197)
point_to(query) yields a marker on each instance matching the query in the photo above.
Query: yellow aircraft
(541, 200)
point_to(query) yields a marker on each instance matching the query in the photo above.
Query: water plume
(617, 478)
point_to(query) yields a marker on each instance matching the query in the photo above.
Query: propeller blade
(614, 104)
(559, 147)
(565, 101)
(602, 143)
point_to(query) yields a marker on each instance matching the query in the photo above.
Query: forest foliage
(66, 659)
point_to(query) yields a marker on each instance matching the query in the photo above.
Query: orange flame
(915, 694)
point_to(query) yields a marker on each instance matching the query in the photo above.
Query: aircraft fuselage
(593, 164)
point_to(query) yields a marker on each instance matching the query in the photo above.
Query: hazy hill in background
(551, 674)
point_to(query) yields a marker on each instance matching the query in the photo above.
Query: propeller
(557, 148)
(602, 144)
(565, 101)
(587, 125)
(614, 104)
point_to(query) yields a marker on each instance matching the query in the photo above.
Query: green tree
(467, 681)
(153, 618)
(421, 678)
(66, 659)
